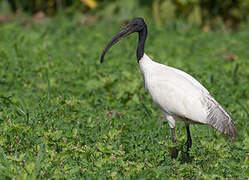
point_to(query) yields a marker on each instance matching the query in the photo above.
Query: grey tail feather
(218, 118)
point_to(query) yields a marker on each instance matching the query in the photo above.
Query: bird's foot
(187, 157)
(188, 143)
(174, 153)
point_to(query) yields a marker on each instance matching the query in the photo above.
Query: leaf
(196, 16)
(90, 3)
(94, 84)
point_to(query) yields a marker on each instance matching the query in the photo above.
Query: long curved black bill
(123, 33)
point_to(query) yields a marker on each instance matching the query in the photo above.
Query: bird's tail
(219, 119)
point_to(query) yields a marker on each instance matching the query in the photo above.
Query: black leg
(174, 153)
(189, 140)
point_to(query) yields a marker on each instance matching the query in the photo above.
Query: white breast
(174, 91)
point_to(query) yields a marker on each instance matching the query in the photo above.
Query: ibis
(177, 94)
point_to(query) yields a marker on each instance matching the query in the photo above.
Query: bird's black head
(136, 25)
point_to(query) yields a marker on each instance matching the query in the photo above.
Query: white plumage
(179, 95)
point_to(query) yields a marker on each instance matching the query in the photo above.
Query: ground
(64, 115)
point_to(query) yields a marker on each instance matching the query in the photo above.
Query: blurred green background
(206, 13)
(63, 115)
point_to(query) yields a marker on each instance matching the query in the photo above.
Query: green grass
(64, 115)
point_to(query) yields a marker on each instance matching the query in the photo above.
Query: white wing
(190, 78)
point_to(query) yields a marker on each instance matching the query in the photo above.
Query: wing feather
(217, 117)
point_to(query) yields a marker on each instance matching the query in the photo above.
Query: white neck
(146, 64)
(144, 59)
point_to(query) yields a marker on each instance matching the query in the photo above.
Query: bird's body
(181, 97)
(178, 94)
(173, 91)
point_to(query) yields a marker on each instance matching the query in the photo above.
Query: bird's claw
(174, 153)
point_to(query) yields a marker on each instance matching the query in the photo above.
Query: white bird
(178, 94)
